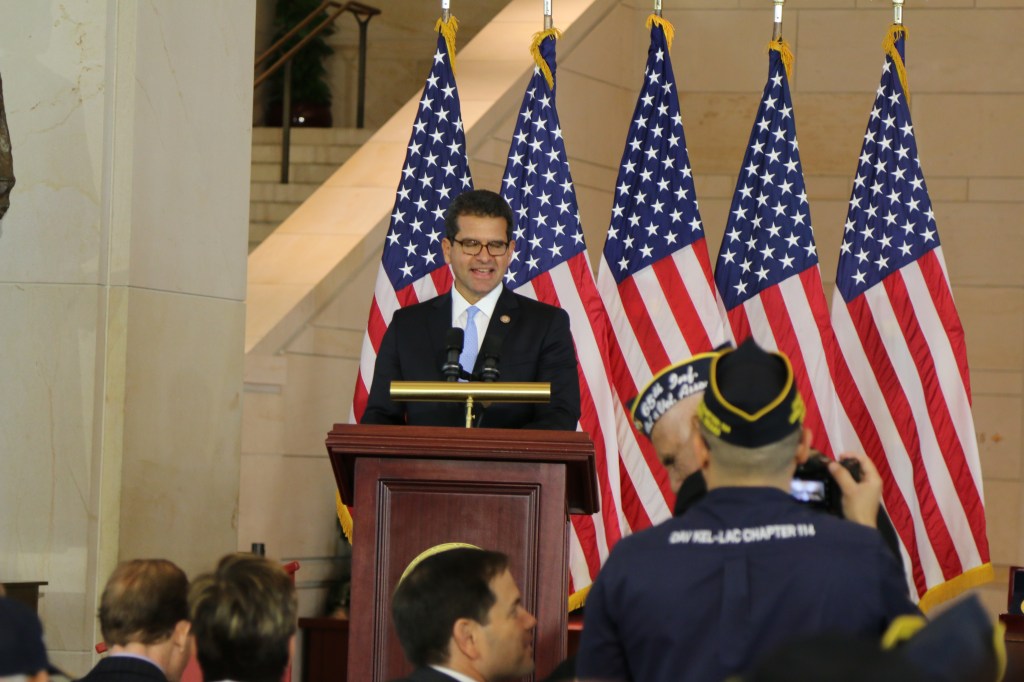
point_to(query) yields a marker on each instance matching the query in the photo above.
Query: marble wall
(122, 289)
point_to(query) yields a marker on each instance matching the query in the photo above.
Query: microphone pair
(452, 368)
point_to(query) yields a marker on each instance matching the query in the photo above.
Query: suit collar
(440, 321)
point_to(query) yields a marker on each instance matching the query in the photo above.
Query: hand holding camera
(861, 497)
(850, 488)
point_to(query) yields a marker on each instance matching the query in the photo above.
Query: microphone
(453, 341)
(489, 369)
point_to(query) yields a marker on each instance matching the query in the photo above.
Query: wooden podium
(413, 487)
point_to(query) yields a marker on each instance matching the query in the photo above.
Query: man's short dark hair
(243, 617)
(442, 589)
(143, 601)
(478, 202)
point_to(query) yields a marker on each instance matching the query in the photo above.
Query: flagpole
(446, 10)
(548, 22)
(657, 8)
(897, 12)
(777, 29)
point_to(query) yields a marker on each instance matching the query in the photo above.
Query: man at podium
(479, 325)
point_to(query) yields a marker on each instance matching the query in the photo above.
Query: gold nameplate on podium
(471, 392)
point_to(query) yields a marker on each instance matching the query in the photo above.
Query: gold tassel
(343, 516)
(782, 47)
(448, 30)
(538, 38)
(889, 45)
(666, 26)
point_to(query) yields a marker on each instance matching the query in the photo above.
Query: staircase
(315, 154)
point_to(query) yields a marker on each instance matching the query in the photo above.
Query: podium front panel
(404, 506)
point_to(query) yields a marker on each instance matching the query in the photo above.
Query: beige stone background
(164, 395)
(964, 60)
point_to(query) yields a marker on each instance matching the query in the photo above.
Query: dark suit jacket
(124, 669)
(426, 675)
(537, 346)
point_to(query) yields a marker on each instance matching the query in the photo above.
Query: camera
(813, 485)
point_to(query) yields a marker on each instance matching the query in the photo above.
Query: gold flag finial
(777, 26)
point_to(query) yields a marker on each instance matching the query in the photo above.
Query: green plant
(309, 75)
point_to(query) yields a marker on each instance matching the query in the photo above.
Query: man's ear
(464, 638)
(446, 249)
(803, 450)
(181, 632)
(700, 446)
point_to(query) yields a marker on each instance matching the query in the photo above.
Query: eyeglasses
(472, 247)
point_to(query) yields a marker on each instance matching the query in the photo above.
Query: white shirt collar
(485, 305)
(448, 671)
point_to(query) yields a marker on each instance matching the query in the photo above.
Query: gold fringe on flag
(889, 45)
(782, 47)
(979, 575)
(666, 26)
(579, 598)
(538, 38)
(448, 30)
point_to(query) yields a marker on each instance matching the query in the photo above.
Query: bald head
(672, 439)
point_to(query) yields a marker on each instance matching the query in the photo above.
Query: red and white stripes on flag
(899, 334)
(655, 273)
(550, 263)
(435, 171)
(767, 274)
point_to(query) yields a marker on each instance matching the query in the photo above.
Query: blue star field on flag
(434, 173)
(768, 237)
(655, 211)
(890, 222)
(538, 186)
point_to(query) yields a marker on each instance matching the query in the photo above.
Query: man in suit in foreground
(244, 618)
(459, 616)
(144, 620)
(530, 340)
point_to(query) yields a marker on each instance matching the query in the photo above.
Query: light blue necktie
(470, 346)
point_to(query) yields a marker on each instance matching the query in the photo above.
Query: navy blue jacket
(701, 597)
(536, 346)
(124, 669)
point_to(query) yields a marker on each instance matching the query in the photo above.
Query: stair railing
(363, 14)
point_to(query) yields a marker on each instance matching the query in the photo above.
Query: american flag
(655, 272)
(900, 335)
(550, 264)
(767, 274)
(412, 268)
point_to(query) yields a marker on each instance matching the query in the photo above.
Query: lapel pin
(505, 319)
